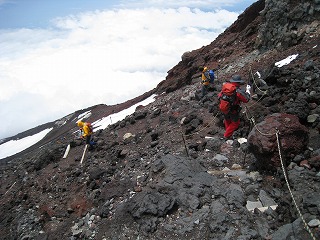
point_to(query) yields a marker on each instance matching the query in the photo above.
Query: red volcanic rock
(305, 163)
(293, 138)
(315, 162)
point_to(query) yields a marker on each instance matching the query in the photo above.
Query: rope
(287, 182)
(284, 172)
(251, 119)
(10, 188)
(264, 92)
(254, 81)
(256, 102)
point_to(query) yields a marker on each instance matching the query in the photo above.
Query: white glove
(248, 88)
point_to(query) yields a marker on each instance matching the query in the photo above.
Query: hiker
(230, 105)
(87, 133)
(205, 80)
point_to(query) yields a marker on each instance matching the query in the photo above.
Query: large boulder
(293, 138)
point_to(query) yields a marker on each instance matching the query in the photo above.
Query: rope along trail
(289, 188)
(276, 132)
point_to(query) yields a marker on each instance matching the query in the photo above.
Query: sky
(57, 57)
(15, 146)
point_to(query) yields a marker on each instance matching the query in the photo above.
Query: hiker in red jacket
(232, 112)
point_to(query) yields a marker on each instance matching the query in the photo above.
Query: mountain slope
(164, 172)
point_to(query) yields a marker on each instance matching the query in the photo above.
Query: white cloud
(95, 57)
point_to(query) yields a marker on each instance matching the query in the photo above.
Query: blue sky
(39, 13)
(59, 56)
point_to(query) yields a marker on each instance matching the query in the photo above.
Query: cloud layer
(95, 57)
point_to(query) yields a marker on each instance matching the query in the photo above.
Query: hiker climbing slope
(231, 97)
(87, 133)
(207, 77)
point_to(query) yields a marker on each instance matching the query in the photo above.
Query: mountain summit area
(165, 171)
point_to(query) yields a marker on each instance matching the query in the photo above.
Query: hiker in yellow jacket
(87, 133)
(204, 81)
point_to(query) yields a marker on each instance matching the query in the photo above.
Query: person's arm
(243, 96)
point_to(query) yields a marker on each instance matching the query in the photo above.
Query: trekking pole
(84, 152)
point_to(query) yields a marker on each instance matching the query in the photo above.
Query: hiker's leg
(226, 123)
(231, 128)
(89, 142)
(204, 90)
(88, 139)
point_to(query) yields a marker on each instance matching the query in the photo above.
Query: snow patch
(15, 146)
(286, 61)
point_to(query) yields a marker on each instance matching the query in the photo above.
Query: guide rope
(276, 133)
(283, 169)
(289, 188)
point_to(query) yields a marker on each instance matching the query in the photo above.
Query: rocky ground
(148, 184)
(165, 172)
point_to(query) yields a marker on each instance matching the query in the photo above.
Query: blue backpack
(210, 75)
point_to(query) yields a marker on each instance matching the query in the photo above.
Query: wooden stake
(67, 151)
(84, 152)
(185, 145)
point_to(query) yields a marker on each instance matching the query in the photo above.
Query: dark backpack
(227, 98)
(210, 75)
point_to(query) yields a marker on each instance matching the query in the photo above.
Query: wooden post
(185, 145)
(67, 151)
(84, 152)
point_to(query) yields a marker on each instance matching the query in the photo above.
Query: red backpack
(227, 97)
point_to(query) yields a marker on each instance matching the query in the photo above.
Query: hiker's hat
(236, 79)
(80, 124)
